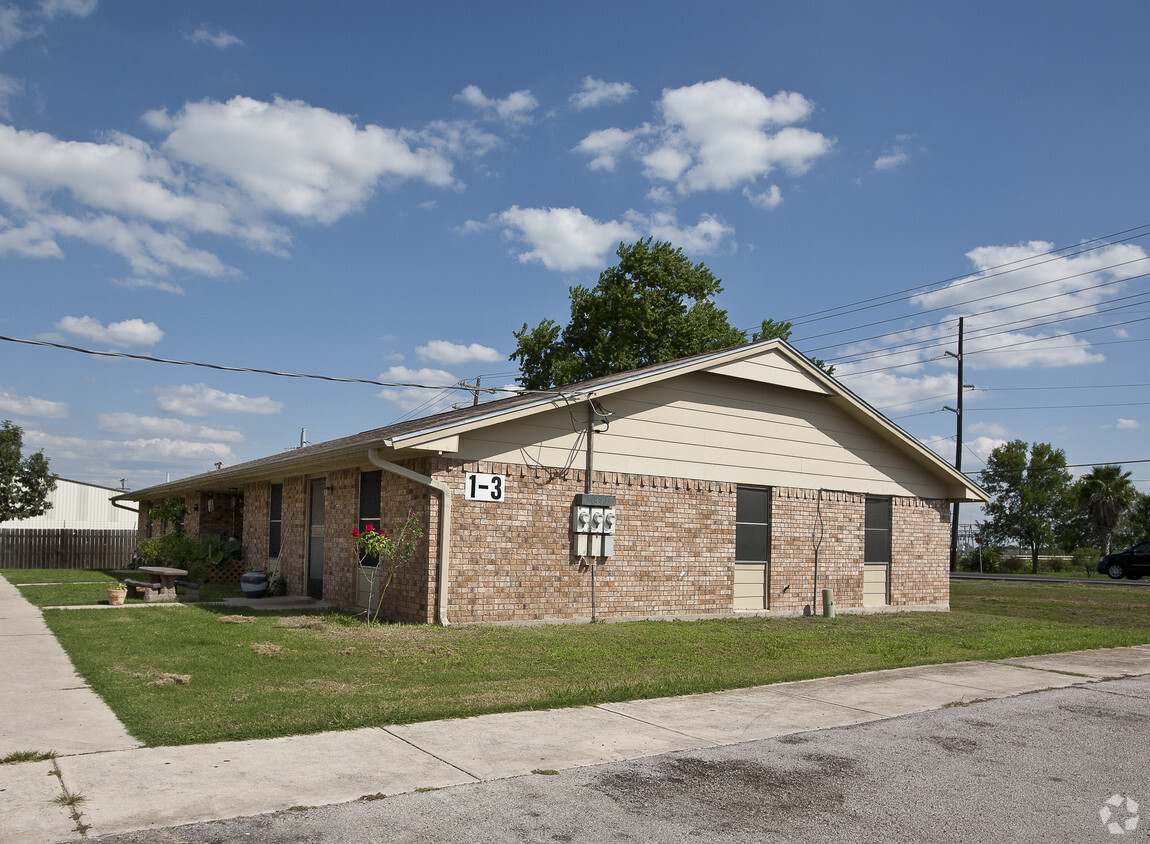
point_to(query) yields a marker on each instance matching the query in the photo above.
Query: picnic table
(162, 582)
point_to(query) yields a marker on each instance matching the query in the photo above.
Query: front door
(315, 539)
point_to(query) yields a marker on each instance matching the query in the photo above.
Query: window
(877, 524)
(753, 524)
(370, 506)
(275, 519)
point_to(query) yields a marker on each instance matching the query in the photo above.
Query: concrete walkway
(126, 787)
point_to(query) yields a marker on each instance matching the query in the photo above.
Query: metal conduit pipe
(444, 524)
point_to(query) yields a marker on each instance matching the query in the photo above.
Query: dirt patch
(954, 744)
(751, 797)
(268, 649)
(237, 619)
(166, 679)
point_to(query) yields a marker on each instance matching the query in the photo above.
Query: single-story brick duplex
(742, 481)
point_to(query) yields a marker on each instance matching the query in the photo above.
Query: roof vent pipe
(444, 540)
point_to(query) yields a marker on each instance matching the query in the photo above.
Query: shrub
(1013, 564)
(1085, 559)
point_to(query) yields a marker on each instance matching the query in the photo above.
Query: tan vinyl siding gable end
(711, 427)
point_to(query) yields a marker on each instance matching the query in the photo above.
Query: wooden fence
(60, 548)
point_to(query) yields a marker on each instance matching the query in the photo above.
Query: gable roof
(772, 362)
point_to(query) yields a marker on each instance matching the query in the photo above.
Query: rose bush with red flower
(382, 555)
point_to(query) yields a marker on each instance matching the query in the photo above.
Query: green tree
(24, 483)
(1105, 493)
(1135, 523)
(653, 306)
(1031, 493)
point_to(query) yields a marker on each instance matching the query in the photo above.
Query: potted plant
(117, 594)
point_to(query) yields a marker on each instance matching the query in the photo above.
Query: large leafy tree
(655, 305)
(24, 483)
(1135, 523)
(1031, 494)
(1105, 493)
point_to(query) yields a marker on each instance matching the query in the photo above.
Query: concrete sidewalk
(126, 787)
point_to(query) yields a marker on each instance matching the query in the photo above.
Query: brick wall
(513, 561)
(920, 553)
(674, 546)
(257, 513)
(293, 535)
(801, 520)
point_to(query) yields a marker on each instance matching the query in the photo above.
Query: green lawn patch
(18, 577)
(73, 588)
(203, 674)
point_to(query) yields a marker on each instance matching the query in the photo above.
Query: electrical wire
(221, 367)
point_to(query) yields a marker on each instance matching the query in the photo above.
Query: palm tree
(1105, 493)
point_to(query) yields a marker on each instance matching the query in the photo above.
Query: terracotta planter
(116, 597)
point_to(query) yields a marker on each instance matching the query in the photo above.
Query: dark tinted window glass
(878, 514)
(877, 522)
(752, 543)
(274, 520)
(370, 507)
(753, 504)
(752, 524)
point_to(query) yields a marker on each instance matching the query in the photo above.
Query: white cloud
(514, 109)
(716, 136)
(894, 394)
(768, 200)
(453, 354)
(1023, 298)
(219, 39)
(567, 240)
(17, 24)
(220, 168)
(982, 447)
(150, 283)
(605, 147)
(891, 160)
(595, 92)
(51, 9)
(1127, 424)
(705, 237)
(295, 159)
(989, 429)
(19, 405)
(416, 398)
(10, 87)
(141, 451)
(562, 239)
(200, 400)
(129, 332)
(129, 424)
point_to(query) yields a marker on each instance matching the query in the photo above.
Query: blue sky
(384, 192)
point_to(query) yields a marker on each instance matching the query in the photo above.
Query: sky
(388, 192)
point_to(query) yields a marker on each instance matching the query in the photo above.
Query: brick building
(739, 481)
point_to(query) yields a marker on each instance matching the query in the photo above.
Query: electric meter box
(593, 522)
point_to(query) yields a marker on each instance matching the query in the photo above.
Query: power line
(865, 304)
(221, 367)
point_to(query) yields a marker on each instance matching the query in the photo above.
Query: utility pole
(957, 444)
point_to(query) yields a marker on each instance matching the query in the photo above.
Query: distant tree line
(1037, 504)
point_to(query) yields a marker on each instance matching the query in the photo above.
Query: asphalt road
(1097, 580)
(1036, 767)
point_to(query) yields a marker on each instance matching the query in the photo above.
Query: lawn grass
(75, 588)
(194, 674)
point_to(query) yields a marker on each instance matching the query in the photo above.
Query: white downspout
(444, 524)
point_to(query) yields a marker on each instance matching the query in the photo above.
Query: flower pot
(116, 597)
(254, 584)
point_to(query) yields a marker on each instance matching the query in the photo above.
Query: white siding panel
(78, 506)
(716, 428)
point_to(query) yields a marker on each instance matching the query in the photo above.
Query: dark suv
(1132, 563)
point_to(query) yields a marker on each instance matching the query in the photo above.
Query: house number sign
(484, 487)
